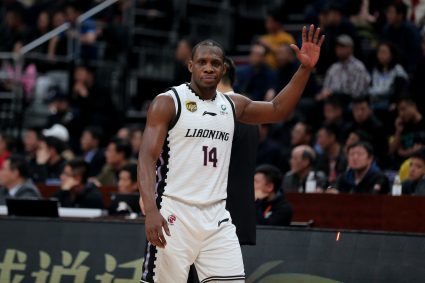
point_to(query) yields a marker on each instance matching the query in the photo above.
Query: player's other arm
(160, 114)
(260, 112)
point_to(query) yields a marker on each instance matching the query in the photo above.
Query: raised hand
(310, 48)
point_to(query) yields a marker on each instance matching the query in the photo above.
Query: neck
(15, 183)
(223, 88)
(206, 93)
(333, 151)
(272, 196)
(360, 173)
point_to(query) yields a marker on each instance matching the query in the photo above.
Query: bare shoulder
(162, 108)
(240, 102)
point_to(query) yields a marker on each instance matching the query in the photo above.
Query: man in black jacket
(272, 208)
(74, 190)
(14, 178)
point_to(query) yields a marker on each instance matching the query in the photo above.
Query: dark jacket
(26, 190)
(89, 197)
(277, 212)
(240, 187)
(41, 173)
(374, 182)
(414, 188)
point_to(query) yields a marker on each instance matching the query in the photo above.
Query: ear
(225, 68)
(190, 65)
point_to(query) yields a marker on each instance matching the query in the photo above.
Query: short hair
(20, 164)
(132, 169)
(361, 99)
(209, 43)
(400, 8)
(80, 168)
(330, 129)
(8, 140)
(96, 132)
(55, 143)
(310, 155)
(407, 99)
(394, 55)
(230, 75)
(122, 146)
(419, 154)
(36, 130)
(272, 174)
(335, 101)
(367, 146)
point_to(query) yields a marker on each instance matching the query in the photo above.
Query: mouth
(209, 78)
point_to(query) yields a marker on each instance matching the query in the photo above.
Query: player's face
(417, 169)
(207, 66)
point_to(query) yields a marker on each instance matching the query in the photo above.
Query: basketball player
(184, 162)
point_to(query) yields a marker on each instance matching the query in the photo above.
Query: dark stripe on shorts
(224, 278)
(149, 263)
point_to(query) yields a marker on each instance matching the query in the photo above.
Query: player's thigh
(220, 257)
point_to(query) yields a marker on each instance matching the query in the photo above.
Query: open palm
(310, 48)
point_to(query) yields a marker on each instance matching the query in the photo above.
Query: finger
(304, 34)
(316, 36)
(310, 33)
(322, 38)
(295, 48)
(166, 229)
(162, 239)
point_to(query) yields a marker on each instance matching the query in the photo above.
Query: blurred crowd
(359, 127)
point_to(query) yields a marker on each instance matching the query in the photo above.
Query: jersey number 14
(210, 155)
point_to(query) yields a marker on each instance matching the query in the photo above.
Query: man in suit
(14, 180)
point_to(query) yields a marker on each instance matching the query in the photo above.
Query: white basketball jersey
(194, 163)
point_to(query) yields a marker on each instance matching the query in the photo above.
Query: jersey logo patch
(171, 219)
(208, 113)
(223, 110)
(191, 106)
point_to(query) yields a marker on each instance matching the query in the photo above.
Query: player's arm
(160, 114)
(261, 112)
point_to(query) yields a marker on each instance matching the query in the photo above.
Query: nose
(208, 68)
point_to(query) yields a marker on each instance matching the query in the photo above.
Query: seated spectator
(49, 161)
(182, 57)
(31, 139)
(417, 86)
(402, 33)
(74, 190)
(272, 208)
(269, 151)
(332, 161)
(362, 176)
(408, 122)
(389, 78)
(58, 45)
(92, 153)
(127, 179)
(255, 79)
(5, 148)
(355, 136)
(13, 33)
(302, 163)
(415, 183)
(365, 120)
(333, 112)
(301, 134)
(118, 153)
(348, 77)
(276, 35)
(14, 180)
(136, 136)
(418, 144)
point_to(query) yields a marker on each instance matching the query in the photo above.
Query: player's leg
(170, 264)
(220, 258)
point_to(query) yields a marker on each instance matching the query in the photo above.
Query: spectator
(415, 183)
(302, 134)
(364, 119)
(136, 137)
(14, 178)
(117, 154)
(182, 56)
(347, 77)
(361, 175)
(74, 190)
(127, 179)
(333, 160)
(41, 28)
(333, 112)
(31, 140)
(355, 136)
(418, 144)
(408, 122)
(418, 83)
(302, 162)
(124, 133)
(92, 153)
(276, 36)
(389, 78)
(403, 34)
(256, 79)
(14, 33)
(87, 33)
(49, 162)
(5, 148)
(58, 44)
(269, 151)
(272, 208)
